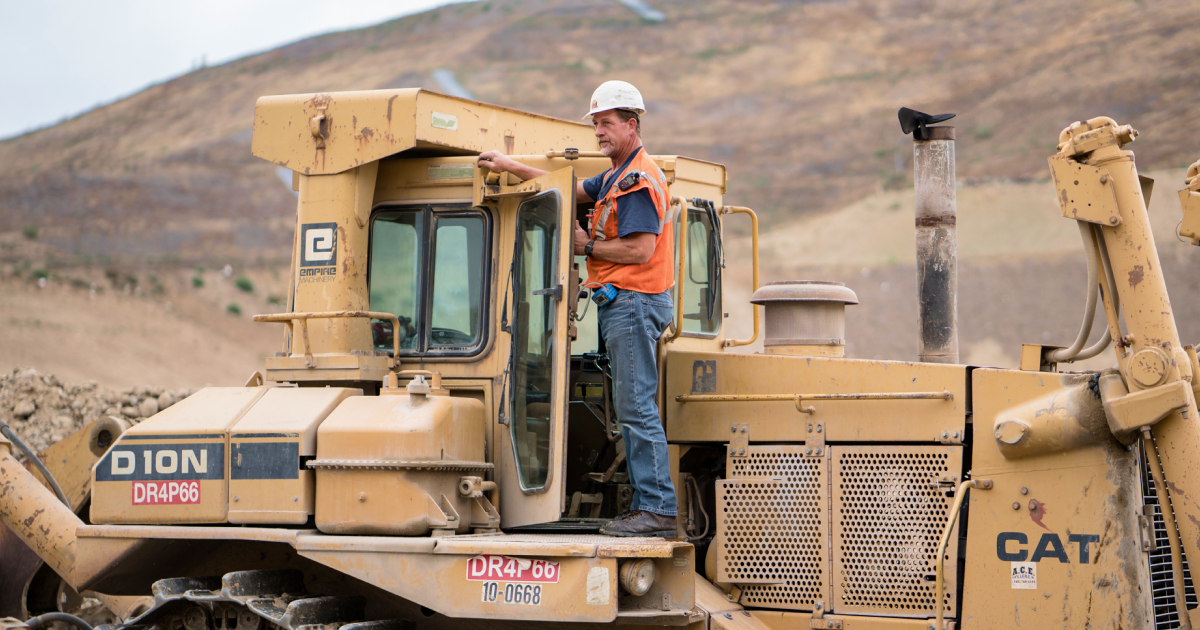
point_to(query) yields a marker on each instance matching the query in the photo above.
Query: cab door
(530, 453)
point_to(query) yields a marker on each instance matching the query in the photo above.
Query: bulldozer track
(252, 600)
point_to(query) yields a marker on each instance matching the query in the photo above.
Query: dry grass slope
(798, 98)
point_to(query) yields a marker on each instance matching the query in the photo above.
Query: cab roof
(332, 132)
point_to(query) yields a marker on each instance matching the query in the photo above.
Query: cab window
(701, 274)
(427, 268)
(533, 350)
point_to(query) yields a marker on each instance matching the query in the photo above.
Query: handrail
(683, 211)
(799, 398)
(982, 484)
(733, 343)
(291, 319)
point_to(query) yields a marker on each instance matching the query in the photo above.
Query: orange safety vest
(657, 274)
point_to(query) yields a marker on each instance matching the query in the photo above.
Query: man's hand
(632, 249)
(495, 161)
(581, 239)
(500, 163)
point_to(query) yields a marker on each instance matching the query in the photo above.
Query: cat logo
(1010, 547)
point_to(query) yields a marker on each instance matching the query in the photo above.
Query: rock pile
(43, 410)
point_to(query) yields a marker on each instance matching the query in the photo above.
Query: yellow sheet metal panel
(696, 171)
(890, 506)
(778, 620)
(173, 467)
(1085, 193)
(323, 134)
(1056, 542)
(485, 586)
(845, 420)
(268, 448)
(390, 465)
(328, 133)
(331, 274)
(474, 127)
(71, 459)
(1189, 200)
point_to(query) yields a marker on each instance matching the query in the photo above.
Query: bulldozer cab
(498, 276)
(470, 275)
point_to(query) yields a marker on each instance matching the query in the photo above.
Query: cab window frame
(714, 235)
(424, 298)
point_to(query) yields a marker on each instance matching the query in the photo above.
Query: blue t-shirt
(635, 210)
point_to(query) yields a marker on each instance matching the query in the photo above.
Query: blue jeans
(631, 325)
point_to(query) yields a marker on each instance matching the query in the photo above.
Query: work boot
(641, 523)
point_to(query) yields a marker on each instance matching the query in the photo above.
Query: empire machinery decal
(318, 252)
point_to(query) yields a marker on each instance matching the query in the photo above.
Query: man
(628, 247)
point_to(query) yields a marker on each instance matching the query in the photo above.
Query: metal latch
(490, 185)
(318, 126)
(554, 292)
(1146, 529)
(818, 619)
(739, 443)
(814, 439)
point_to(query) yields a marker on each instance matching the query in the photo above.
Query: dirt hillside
(797, 97)
(108, 220)
(1021, 270)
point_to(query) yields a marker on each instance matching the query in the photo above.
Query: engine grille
(1162, 585)
(773, 526)
(889, 510)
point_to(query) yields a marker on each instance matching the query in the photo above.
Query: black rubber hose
(48, 618)
(37, 462)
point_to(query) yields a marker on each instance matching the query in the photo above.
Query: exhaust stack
(937, 239)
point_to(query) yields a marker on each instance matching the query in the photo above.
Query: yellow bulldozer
(435, 445)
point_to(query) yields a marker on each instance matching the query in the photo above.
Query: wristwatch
(587, 249)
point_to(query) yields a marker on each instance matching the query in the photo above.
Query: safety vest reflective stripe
(657, 274)
(608, 202)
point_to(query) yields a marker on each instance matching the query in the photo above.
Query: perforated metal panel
(773, 527)
(889, 510)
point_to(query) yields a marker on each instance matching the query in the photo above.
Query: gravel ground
(42, 410)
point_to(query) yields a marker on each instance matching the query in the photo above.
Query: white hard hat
(616, 95)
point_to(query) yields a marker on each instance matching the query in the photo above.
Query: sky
(64, 57)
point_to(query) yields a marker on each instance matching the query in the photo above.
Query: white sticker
(444, 121)
(1024, 575)
(597, 586)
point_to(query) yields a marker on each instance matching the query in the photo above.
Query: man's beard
(608, 149)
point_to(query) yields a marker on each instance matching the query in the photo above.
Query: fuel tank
(391, 465)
